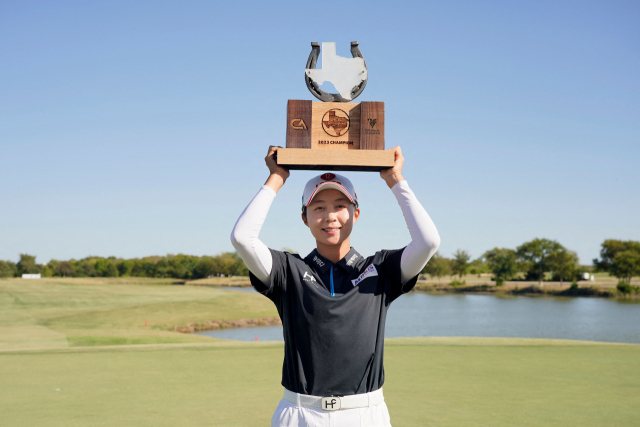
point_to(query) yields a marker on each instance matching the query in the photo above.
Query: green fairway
(64, 361)
(433, 382)
(58, 313)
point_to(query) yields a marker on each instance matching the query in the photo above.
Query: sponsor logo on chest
(368, 272)
(308, 277)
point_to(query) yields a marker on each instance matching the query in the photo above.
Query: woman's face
(330, 217)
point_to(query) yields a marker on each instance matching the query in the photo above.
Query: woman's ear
(356, 214)
(304, 219)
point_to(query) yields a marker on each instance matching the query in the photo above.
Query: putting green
(432, 382)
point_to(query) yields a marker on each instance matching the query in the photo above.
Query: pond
(426, 315)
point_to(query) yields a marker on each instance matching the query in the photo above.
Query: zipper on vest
(333, 294)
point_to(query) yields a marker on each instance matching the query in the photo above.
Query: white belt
(333, 403)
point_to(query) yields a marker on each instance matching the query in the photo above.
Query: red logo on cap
(327, 176)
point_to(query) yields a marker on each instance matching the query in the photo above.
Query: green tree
(437, 266)
(619, 258)
(8, 269)
(124, 267)
(139, 268)
(460, 263)
(610, 248)
(64, 268)
(564, 264)
(241, 269)
(112, 270)
(47, 271)
(149, 267)
(181, 266)
(178, 270)
(226, 264)
(27, 265)
(161, 268)
(204, 268)
(87, 268)
(625, 265)
(478, 266)
(502, 263)
(535, 256)
(106, 268)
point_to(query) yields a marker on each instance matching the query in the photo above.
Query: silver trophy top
(348, 75)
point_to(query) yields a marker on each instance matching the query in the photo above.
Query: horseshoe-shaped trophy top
(314, 88)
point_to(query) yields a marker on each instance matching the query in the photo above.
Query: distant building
(31, 276)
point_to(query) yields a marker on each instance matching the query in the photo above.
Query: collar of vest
(348, 263)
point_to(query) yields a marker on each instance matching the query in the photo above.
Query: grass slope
(57, 313)
(439, 382)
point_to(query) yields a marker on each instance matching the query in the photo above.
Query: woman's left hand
(393, 175)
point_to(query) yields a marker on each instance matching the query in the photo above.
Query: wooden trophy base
(336, 160)
(335, 136)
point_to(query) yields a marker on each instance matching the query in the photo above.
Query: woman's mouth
(331, 231)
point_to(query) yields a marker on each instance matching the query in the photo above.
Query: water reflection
(419, 315)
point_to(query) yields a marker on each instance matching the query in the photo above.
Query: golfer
(333, 303)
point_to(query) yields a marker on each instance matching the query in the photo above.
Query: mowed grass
(62, 363)
(429, 382)
(58, 313)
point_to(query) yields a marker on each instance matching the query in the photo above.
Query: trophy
(335, 134)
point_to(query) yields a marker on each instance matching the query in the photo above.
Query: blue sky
(139, 128)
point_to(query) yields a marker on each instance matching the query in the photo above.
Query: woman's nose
(332, 216)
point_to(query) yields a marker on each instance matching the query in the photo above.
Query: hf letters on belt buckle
(331, 403)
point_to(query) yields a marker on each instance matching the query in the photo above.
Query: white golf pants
(289, 414)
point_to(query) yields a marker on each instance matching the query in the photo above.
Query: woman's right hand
(277, 174)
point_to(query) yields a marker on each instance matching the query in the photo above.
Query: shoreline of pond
(527, 289)
(215, 325)
(514, 288)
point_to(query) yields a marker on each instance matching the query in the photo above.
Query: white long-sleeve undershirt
(244, 237)
(425, 239)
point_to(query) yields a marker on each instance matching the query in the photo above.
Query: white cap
(328, 181)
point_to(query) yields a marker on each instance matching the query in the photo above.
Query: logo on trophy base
(335, 134)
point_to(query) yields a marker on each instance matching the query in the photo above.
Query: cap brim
(330, 186)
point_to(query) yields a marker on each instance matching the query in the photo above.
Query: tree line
(532, 260)
(170, 266)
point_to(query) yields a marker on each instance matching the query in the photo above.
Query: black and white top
(333, 344)
(334, 315)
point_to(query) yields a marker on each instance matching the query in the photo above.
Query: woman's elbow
(435, 243)
(432, 243)
(237, 239)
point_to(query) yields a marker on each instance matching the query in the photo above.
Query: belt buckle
(331, 403)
